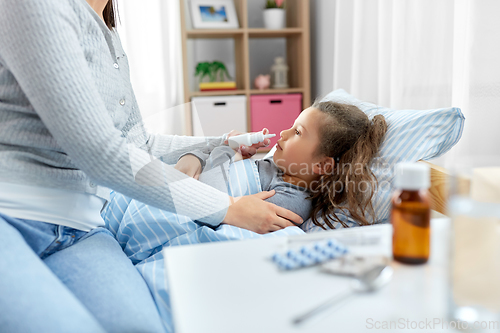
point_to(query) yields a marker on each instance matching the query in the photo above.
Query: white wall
(322, 33)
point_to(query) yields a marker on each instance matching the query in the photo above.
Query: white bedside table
(234, 287)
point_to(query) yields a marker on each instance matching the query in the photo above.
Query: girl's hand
(247, 152)
(190, 165)
(253, 213)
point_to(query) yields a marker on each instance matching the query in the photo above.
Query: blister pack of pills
(309, 255)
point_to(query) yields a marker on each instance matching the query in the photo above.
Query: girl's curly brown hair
(352, 140)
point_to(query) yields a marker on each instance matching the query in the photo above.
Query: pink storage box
(275, 112)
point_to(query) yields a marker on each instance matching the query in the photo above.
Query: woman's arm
(250, 212)
(171, 147)
(41, 46)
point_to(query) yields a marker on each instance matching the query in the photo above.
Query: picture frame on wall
(213, 14)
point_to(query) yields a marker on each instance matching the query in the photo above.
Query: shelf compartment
(275, 112)
(266, 33)
(214, 115)
(225, 50)
(215, 33)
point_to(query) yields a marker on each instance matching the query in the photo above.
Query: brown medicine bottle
(410, 214)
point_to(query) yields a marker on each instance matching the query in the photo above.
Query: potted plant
(274, 14)
(212, 69)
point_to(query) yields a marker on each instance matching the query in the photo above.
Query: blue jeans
(58, 279)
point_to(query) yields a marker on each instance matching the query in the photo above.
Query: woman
(70, 129)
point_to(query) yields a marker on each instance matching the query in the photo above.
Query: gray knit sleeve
(168, 148)
(171, 148)
(41, 47)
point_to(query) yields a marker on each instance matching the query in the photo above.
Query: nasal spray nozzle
(248, 139)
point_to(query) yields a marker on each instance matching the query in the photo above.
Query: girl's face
(296, 149)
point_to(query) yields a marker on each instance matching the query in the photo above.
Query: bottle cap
(412, 176)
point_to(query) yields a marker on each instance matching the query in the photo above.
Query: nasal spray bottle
(248, 139)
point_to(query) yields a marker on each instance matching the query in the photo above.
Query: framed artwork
(213, 14)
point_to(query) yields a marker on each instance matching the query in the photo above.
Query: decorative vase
(262, 81)
(274, 18)
(279, 72)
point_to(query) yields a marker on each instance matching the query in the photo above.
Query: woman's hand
(253, 213)
(247, 152)
(190, 165)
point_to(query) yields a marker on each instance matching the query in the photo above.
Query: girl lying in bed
(321, 163)
(320, 167)
(325, 157)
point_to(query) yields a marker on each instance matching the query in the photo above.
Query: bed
(144, 231)
(438, 192)
(413, 135)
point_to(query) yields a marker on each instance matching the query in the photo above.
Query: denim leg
(64, 237)
(32, 298)
(38, 235)
(101, 276)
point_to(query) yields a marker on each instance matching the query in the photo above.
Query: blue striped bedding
(143, 231)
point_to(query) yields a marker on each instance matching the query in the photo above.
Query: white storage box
(214, 116)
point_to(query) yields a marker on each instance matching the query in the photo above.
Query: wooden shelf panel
(217, 93)
(252, 33)
(276, 91)
(215, 33)
(266, 33)
(244, 92)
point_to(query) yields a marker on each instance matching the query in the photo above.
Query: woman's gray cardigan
(69, 118)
